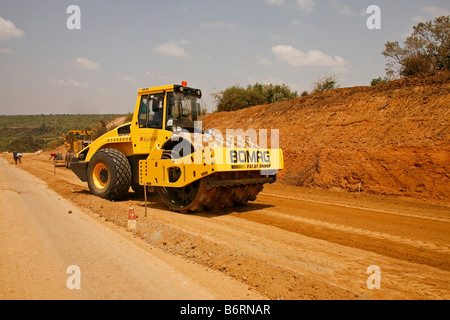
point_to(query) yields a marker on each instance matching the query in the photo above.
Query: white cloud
(127, 79)
(172, 49)
(342, 9)
(296, 23)
(275, 2)
(159, 76)
(6, 50)
(273, 80)
(306, 5)
(417, 19)
(435, 11)
(156, 75)
(218, 25)
(8, 30)
(71, 83)
(264, 61)
(430, 12)
(86, 64)
(298, 58)
(339, 69)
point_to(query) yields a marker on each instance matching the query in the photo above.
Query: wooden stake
(145, 196)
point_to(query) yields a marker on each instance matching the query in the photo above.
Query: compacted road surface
(291, 243)
(50, 249)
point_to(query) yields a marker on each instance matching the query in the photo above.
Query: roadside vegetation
(425, 51)
(238, 97)
(29, 133)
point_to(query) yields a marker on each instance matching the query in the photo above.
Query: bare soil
(386, 146)
(292, 242)
(43, 236)
(391, 139)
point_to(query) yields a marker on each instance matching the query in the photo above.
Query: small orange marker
(131, 220)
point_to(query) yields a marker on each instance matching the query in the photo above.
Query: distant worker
(52, 156)
(17, 156)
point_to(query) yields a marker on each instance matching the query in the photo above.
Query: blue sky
(125, 45)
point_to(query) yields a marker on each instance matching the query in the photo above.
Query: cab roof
(169, 88)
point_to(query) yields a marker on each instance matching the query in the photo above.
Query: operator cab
(184, 109)
(183, 105)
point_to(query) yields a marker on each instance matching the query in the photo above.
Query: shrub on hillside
(379, 80)
(427, 50)
(237, 97)
(325, 83)
(26, 144)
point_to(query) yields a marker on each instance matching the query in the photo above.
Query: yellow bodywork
(132, 140)
(138, 140)
(110, 140)
(155, 171)
(74, 140)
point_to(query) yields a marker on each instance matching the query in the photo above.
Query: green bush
(427, 50)
(237, 97)
(52, 144)
(43, 129)
(325, 83)
(26, 144)
(379, 80)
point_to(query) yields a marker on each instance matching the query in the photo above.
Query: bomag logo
(148, 139)
(249, 156)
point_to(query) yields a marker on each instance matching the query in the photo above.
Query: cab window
(151, 111)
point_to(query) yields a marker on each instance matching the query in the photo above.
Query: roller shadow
(218, 212)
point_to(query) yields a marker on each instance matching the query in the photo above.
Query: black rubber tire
(138, 189)
(69, 157)
(185, 199)
(114, 174)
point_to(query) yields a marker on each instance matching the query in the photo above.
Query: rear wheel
(139, 190)
(69, 157)
(109, 174)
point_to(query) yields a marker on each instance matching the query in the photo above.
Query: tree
(325, 83)
(379, 80)
(26, 144)
(237, 97)
(427, 50)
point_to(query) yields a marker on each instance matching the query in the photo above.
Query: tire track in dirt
(357, 207)
(290, 248)
(441, 249)
(384, 243)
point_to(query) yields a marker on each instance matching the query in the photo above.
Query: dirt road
(292, 243)
(43, 236)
